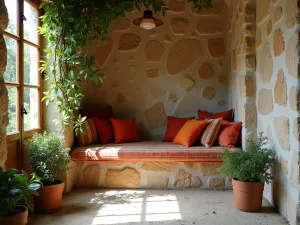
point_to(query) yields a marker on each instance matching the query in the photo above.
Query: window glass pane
(31, 104)
(11, 6)
(31, 65)
(31, 23)
(11, 68)
(12, 109)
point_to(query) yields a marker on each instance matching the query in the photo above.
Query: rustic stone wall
(150, 175)
(174, 70)
(3, 90)
(242, 65)
(277, 94)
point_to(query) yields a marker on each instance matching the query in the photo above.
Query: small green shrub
(47, 157)
(16, 189)
(251, 165)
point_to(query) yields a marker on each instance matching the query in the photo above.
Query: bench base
(162, 175)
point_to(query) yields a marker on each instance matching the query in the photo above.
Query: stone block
(282, 130)
(129, 42)
(159, 166)
(265, 101)
(186, 83)
(209, 92)
(128, 177)
(186, 51)
(156, 116)
(216, 182)
(279, 43)
(154, 51)
(216, 47)
(92, 175)
(206, 71)
(280, 90)
(295, 98)
(294, 170)
(186, 180)
(209, 169)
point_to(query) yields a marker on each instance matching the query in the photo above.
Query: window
(22, 77)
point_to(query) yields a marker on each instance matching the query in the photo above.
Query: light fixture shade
(148, 21)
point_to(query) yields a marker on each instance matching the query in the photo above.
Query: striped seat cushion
(211, 132)
(90, 136)
(147, 151)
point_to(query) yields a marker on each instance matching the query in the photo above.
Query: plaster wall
(3, 90)
(172, 70)
(277, 99)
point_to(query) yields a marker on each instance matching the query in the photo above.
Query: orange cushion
(90, 136)
(226, 115)
(125, 130)
(189, 132)
(174, 126)
(229, 133)
(211, 132)
(105, 130)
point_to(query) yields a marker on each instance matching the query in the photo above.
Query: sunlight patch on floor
(136, 207)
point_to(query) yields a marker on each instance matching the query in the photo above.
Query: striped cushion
(211, 132)
(147, 151)
(90, 136)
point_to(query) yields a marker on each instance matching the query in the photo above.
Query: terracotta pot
(20, 218)
(248, 195)
(49, 199)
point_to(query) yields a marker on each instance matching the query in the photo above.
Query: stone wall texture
(242, 63)
(161, 175)
(3, 90)
(172, 70)
(277, 95)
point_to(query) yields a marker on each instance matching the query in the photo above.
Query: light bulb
(147, 23)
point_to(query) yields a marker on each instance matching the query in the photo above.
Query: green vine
(69, 26)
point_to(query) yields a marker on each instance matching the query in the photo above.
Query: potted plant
(249, 169)
(48, 158)
(15, 196)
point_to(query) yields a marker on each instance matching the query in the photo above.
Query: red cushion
(174, 126)
(105, 130)
(189, 132)
(226, 115)
(229, 133)
(99, 113)
(125, 130)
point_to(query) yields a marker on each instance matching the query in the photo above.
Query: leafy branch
(69, 26)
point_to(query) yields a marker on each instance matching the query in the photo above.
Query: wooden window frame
(21, 134)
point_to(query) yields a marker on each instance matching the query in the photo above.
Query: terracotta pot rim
(49, 185)
(246, 182)
(24, 209)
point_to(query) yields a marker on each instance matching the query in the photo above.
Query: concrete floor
(164, 207)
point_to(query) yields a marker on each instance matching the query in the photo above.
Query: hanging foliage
(69, 26)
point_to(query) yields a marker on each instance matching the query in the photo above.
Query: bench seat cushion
(146, 151)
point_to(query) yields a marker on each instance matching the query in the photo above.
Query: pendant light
(148, 22)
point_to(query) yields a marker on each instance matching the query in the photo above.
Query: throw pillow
(211, 132)
(189, 132)
(104, 113)
(125, 130)
(90, 136)
(174, 126)
(229, 133)
(105, 130)
(226, 115)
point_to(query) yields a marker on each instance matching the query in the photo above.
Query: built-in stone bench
(148, 165)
